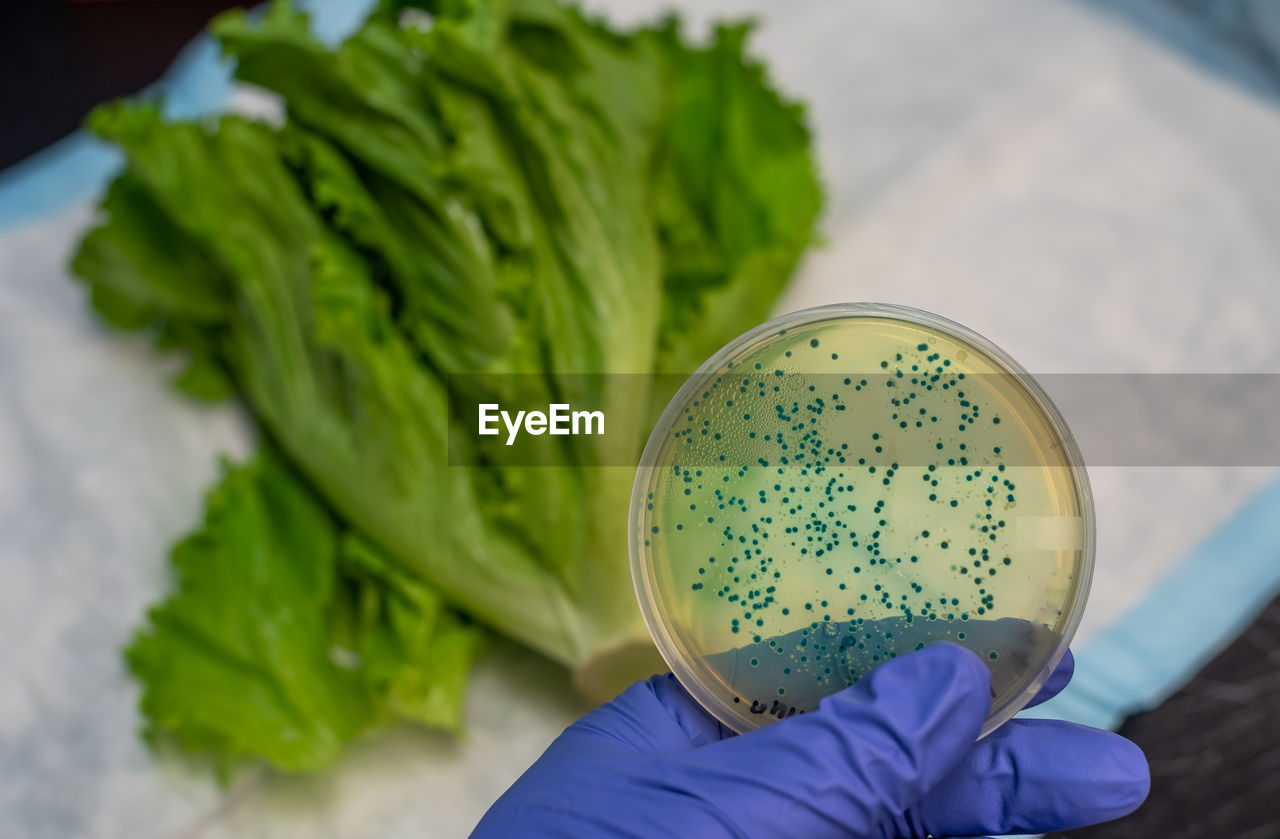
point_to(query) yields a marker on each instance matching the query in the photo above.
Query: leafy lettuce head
(515, 190)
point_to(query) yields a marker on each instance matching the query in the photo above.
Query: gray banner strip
(1118, 419)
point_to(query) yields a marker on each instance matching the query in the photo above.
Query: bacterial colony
(847, 491)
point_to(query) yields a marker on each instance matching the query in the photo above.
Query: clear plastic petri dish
(847, 484)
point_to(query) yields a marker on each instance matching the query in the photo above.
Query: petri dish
(847, 484)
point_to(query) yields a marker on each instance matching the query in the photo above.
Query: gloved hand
(892, 756)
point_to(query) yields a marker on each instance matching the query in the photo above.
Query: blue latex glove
(892, 756)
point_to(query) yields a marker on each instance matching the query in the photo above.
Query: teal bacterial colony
(848, 491)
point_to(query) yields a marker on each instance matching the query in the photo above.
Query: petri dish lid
(847, 484)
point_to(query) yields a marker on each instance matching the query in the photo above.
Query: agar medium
(848, 484)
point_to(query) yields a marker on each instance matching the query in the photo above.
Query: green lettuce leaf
(255, 653)
(413, 651)
(312, 345)
(736, 199)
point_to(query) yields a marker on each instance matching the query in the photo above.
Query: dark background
(59, 59)
(1215, 768)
